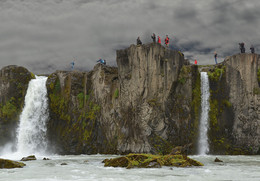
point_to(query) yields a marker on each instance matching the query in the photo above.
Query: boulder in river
(151, 161)
(10, 164)
(28, 158)
(217, 160)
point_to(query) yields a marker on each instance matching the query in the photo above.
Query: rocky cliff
(235, 101)
(150, 103)
(144, 105)
(14, 81)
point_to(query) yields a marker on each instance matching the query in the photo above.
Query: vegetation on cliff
(221, 115)
(77, 116)
(14, 81)
(258, 76)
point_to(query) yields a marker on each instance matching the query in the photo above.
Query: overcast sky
(46, 35)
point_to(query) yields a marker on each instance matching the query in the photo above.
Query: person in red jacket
(195, 62)
(159, 39)
(167, 39)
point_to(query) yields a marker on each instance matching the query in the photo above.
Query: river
(90, 167)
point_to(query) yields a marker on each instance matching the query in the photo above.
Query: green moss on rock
(258, 75)
(151, 161)
(216, 73)
(116, 94)
(10, 164)
(9, 109)
(184, 74)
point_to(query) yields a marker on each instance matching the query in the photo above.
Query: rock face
(13, 85)
(76, 102)
(10, 164)
(235, 105)
(150, 103)
(150, 84)
(145, 105)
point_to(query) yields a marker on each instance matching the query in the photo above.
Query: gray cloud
(46, 35)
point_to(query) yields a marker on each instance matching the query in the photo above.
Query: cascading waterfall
(31, 133)
(203, 145)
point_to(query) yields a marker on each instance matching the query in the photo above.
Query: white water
(244, 168)
(203, 145)
(31, 133)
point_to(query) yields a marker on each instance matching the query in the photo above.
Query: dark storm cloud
(48, 35)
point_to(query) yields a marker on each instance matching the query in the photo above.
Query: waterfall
(203, 145)
(31, 133)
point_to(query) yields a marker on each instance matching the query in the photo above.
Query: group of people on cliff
(166, 40)
(243, 49)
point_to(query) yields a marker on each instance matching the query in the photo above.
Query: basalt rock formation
(14, 81)
(146, 105)
(150, 103)
(235, 105)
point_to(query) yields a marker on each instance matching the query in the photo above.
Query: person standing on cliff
(252, 49)
(154, 38)
(72, 65)
(242, 47)
(102, 61)
(167, 40)
(159, 40)
(138, 41)
(195, 62)
(215, 56)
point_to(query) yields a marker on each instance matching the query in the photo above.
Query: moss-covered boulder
(28, 158)
(10, 164)
(151, 161)
(14, 82)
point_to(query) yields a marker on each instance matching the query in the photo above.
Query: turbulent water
(86, 167)
(31, 133)
(203, 146)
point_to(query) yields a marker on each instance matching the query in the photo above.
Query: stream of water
(31, 132)
(203, 146)
(90, 167)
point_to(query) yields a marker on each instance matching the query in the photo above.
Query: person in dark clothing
(252, 49)
(72, 64)
(167, 39)
(138, 41)
(102, 61)
(153, 37)
(242, 47)
(215, 56)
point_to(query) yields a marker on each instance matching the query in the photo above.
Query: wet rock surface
(4, 163)
(28, 158)
(151, 161)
